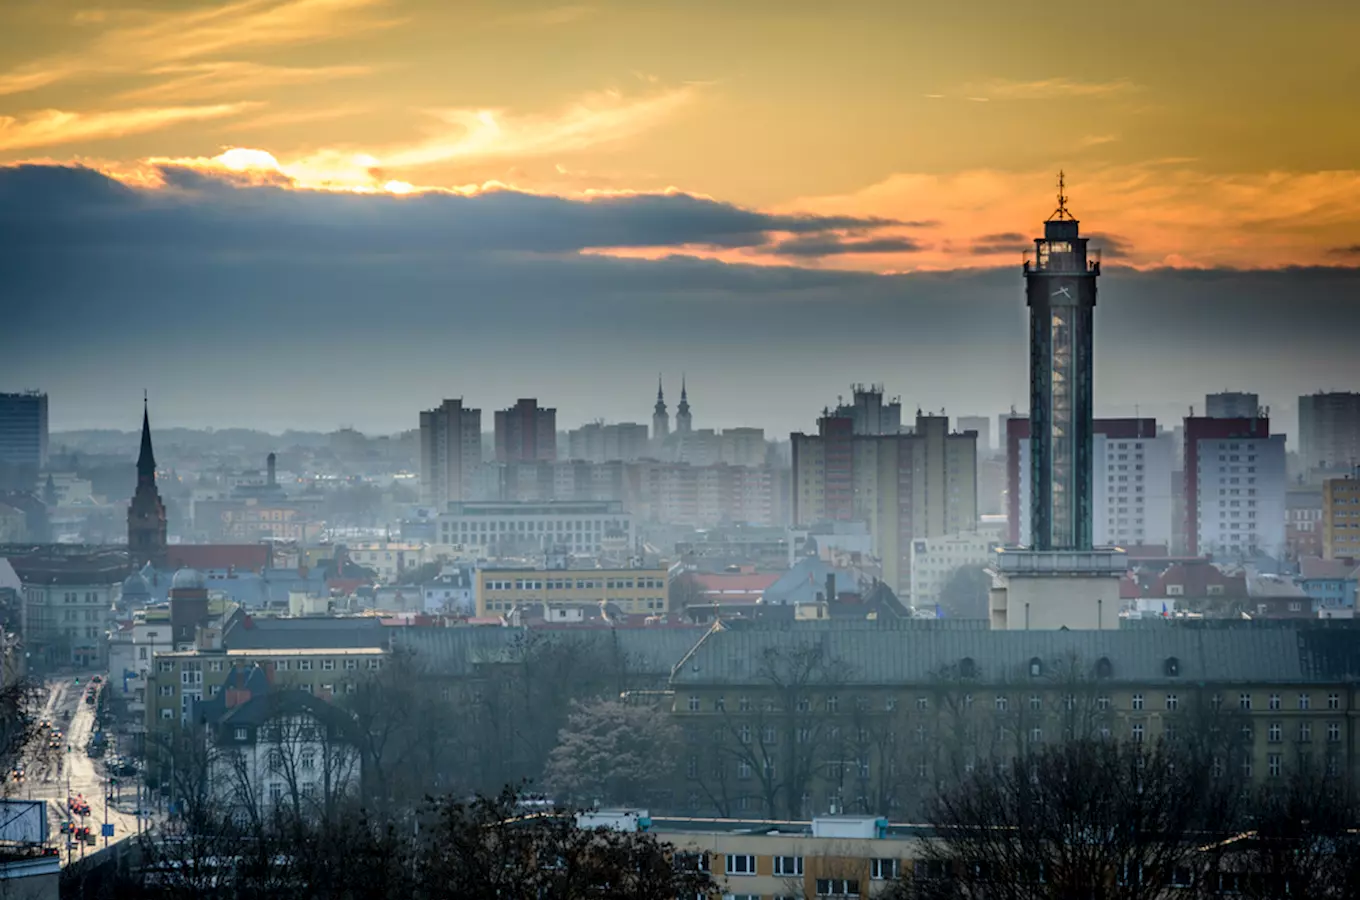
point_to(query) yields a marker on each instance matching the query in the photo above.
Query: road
(67, 771)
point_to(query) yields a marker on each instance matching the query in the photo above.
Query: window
(1173, 666)
(744, 733)
(1103, 702)
(327, 665)
(1136, 702)
(693, 703)
(788, 865)
(883, 869)
(1036, 735)
(166, 690)
(1274, 701)
(351, 664)
(308, 760)
(275, 760)
(744, 704)
(215, 665)
(280, 665)
(741, 864)
(1273, 765)
(1036, 667)
(304, 665)
(1138, 732)
(833, 703)
(719, 703)
(837, 887)
(1275, 733)
(690, 862)
(743, 769)
(923, 703)
(1036, 702)
(167, 713)
(1244, 701)
(1333, 732)
(1173, 702)
(1333, 701)
(1002, 704)
(275, 791)
(804, 704)
(1304, 701)
(1305, 732)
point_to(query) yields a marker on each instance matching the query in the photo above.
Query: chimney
(270, 462)
(830, 587)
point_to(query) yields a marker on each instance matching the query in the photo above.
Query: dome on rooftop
(189, 579)
(135, 586)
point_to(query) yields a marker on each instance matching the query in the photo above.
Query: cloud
(1095, 140)
(146, 42)
(54, 126)
(197, 81)
(834, 245)
(1001, 242)
(1163, 213)
(1049, 88)
(1352, 250)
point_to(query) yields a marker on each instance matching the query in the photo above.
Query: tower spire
(660, 397)
(146, 457)
(1061, 213)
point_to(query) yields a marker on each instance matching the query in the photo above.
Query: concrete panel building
(450, 452)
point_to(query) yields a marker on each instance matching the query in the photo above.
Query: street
(67, 771)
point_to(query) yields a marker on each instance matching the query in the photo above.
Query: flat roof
(315, 651)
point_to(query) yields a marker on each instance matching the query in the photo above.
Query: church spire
(146, 459)
(683, 420)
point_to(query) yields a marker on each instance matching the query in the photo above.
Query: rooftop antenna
(1061, 213)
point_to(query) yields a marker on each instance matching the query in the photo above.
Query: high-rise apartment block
(450, 452)
(1329, 431)
(907, 485)
(1132, 489)
(982, 425)
(526, 432)
(1232, 405)
(598, 442)
(1341, 517)
(23, 429)
(1234, 487)
(868, 413)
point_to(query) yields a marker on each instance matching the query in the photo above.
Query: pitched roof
(921, 651)
(1311, 567)
(733, 583)
(303, 633)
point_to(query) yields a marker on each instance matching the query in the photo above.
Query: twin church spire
(661, 422)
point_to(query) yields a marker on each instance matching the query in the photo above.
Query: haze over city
(774, 204)
(737, 450)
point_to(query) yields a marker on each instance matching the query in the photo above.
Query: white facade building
(1132, 500)
(1242, 496)
(934, 560)
(390, 559)
(508, 528)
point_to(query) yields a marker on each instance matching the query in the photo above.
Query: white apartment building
(1132, 500)
(1241, 496)
(504, 528)
(390, 559)
(934, 561)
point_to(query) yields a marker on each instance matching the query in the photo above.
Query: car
(95, 679)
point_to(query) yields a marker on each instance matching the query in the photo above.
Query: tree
(965, 593)
(1303, 841)
(1083, 818)
(612, 753)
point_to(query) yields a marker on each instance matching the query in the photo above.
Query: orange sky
(1217, 133)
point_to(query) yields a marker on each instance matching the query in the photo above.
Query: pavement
(68, 771)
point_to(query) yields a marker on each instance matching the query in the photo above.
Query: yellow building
(1341, 518)
(631, 590)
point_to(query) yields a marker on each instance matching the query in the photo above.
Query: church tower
(146, 512)
(661, 422)
(683, 421)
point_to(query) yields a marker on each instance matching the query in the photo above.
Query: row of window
(188, 669)
(1002, 702)
(792, 866)
(578, 584)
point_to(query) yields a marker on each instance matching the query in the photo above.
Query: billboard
(23, 821)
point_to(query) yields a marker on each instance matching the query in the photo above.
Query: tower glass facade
(1060, 284)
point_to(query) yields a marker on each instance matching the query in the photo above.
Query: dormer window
(967, 668)
(1173, 667)
(1036, 667)
(1103, 668)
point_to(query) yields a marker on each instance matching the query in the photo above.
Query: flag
(1163, 609)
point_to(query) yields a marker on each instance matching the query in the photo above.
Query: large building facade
(630, 590)
(450, 452)
(1329, 431)
(526, 432)
(1232, 405)
(1235, 483)
(23, 429)
(508, 528)
(1341, 518)
(918, 484)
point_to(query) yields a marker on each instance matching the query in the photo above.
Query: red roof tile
(248, 557)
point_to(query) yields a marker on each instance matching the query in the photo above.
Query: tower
(146, 512)
(683, 421)
(1060, 288)
(661, 422)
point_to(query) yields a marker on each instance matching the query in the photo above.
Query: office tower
(146, 529)
(1234, 487)
(1329, 431)
(1060, 288)
(450, 452)
(1132, 489)
(1341, 517)
(23, 429)
(526, 432)
(1231, 405)
(982, 425)
(904, 485)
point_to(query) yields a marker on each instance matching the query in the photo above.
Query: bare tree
(612, 752)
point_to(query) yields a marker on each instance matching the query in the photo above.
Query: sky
(312, 213)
